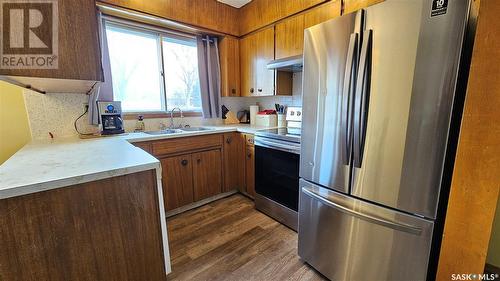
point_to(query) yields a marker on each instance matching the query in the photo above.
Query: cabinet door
(230, 66)
(247, 53)
(354, 5)
(290, 37)
(177, 179)
(264, 53)
(250, 170)
(234, 161)
(207, 173)
(79, 56)
(322, 13)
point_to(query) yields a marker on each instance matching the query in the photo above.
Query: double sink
(178, 131)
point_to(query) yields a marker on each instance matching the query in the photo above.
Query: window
(138, 57)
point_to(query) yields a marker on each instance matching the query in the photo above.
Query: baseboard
(200, 203)
(489, 268)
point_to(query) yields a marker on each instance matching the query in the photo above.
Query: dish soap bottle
(139, 125)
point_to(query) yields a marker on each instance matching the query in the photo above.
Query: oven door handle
(276, 145)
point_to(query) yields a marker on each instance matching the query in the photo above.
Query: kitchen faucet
(172, 117)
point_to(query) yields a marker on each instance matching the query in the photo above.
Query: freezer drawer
(349, 239)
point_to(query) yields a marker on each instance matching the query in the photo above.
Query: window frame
(161, 33)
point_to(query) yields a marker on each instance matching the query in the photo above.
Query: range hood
(289, 64)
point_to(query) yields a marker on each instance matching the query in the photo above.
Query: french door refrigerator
(378, 95)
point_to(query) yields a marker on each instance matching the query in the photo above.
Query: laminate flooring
(229, 240)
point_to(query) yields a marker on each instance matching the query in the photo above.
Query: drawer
(249, 139)
(183, 144)
(146, 146)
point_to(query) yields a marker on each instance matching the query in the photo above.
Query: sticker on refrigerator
(439, 7)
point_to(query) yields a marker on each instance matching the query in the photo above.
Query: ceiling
(235, 3)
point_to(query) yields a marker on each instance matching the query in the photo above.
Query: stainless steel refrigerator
(378, 94)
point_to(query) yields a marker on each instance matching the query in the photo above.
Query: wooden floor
(230, 240)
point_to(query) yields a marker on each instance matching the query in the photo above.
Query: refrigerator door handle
(347, 96)
(380, 221)
(362, 97)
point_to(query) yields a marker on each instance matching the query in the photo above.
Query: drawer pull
(184, 162)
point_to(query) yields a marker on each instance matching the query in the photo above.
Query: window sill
(150, 115)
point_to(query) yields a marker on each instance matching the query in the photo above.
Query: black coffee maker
(110, 117)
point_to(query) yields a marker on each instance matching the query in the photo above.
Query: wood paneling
(290, 37)
(177, 145)
(234, 161)
(102, 230)
(209, 14)
(260, 13)
(177, 179)
(354, 5)
(250, 170)
(322, 13)
(207, 174)
(79, 56)
(476, 176)
(264, 47)
(229, 51)
(230, 240)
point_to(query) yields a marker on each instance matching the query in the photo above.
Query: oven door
(277, 171)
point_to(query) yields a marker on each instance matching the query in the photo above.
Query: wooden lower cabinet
(250, 170)
(207, 174)
(234, 161)
(108, 229)
(177, 179)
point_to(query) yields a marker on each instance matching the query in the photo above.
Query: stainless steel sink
(196, 129)
(164, 132)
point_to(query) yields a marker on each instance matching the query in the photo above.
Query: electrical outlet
(85, 105)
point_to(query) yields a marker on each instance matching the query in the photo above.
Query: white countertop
(45, 165)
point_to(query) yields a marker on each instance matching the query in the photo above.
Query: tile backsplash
(57, 112)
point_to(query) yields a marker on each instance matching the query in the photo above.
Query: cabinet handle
(233, 91)
(184, 162)
(249, 155)
(198, 160)
(251, 90)
(260, 90)
(229, 140)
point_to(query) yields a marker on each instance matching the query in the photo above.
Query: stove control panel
(294, 114)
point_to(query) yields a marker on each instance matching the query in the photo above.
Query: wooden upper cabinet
(79, 55)
(177, 178)
(290, 37)
(354, 5)
(290, 31)
(264, 53)
(207, 174)
(247, 54)
(234, 165)
(260, 13)
(229, 50)
(322, 13)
